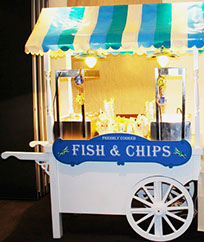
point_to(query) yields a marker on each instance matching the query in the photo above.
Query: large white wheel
(163, 212)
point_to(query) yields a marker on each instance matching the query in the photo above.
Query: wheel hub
(159, 209)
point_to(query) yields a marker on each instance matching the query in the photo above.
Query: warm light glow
(91, 61)
(163, 60)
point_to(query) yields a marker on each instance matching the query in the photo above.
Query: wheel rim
(160, 208)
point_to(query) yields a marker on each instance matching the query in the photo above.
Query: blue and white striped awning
(118, 28)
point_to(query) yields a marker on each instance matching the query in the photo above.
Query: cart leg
(57, 229)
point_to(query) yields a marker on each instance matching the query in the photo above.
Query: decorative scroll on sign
(122, 148)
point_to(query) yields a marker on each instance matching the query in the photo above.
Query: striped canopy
(118, 28)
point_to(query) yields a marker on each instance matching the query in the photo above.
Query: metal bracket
(170, 71)
(44, 165)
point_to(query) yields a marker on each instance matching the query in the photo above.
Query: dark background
(17, 178)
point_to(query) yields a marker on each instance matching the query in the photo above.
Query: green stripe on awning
(162, 35)
(67, 37)
(114, 35)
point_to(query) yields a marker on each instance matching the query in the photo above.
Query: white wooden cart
(155, 198)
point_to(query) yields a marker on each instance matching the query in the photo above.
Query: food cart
(118, 172)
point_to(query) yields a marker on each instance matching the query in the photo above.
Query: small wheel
(163, 212)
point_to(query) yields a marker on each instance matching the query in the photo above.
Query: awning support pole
(50, 118)
(196, 97)
(57, 229)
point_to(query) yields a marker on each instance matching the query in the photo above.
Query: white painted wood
(195, 59)
(47, 66)
(57, 228)
(35, 143)
(196, 96)
(47, 159)
(50, 118)
(26, 155)
(103, 187)
(100, 187)
(156, 205)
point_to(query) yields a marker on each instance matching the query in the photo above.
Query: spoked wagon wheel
(164, 212)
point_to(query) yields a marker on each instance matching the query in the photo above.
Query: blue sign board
(122, 148)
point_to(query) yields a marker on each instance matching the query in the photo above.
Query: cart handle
(26, 155)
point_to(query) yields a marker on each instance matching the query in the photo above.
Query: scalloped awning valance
(119, 28)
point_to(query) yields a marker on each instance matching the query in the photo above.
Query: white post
(57, 228)
(196, 97)
(50, 118)
(70, 95)
(53, 169)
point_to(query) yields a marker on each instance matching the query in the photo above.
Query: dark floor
(31, 221)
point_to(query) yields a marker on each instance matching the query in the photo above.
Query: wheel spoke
(151, 224)
(173, 215)
(142, 201)
(140, 210)
(158, 226)
(169, 223)
(174, 192)
(174, 199)
(167, 193)
(171, 197)
(177, 208)
(148, 193)
(144, 218)
(157, 190)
